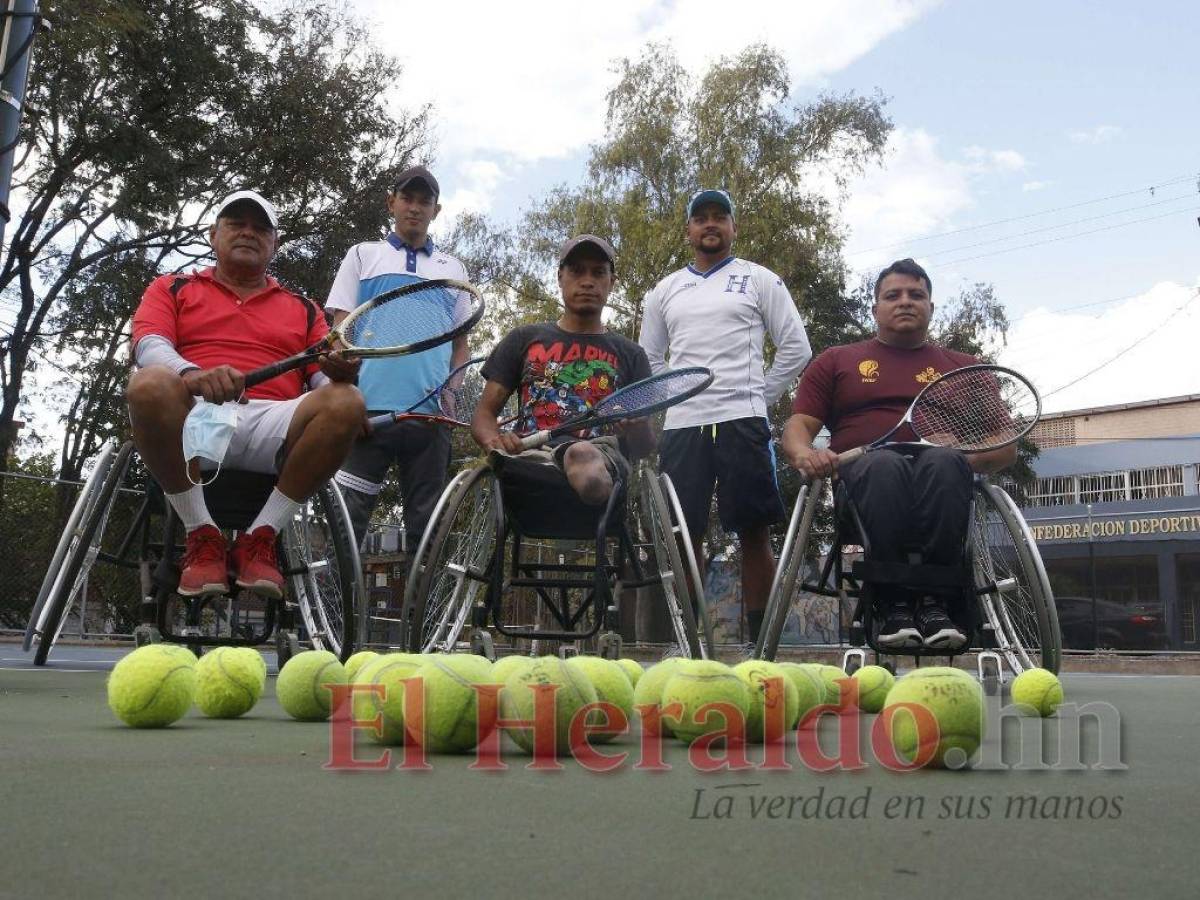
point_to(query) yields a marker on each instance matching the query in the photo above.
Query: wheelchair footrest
(908, 574)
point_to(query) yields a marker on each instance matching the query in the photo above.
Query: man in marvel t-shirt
(561, 369)
(910, 498)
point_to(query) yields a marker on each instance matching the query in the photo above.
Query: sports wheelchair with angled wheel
(317, 557)
(514, 553)
(1001, 594)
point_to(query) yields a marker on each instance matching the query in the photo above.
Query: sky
(1049, 149)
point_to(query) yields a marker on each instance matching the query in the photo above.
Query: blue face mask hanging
(207, 431)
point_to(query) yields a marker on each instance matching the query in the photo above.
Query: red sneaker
(205, 570)
(254, 562)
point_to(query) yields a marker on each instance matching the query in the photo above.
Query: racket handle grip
(266, 373)
(535, 440)
(850, 455)
(380, 420)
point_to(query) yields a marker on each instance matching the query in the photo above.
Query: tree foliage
(142, 115)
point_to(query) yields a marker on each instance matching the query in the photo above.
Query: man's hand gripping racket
(399, 322)
(635, 401)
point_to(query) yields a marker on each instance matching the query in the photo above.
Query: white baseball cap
(253, 197)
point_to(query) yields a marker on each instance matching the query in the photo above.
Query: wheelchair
(515, 554)
(317, 557)
(1002, 595)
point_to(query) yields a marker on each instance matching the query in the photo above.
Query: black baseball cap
(416, 173)
(599, 243)
(717, 197)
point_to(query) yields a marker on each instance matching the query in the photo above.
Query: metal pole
(1092, 565)
(21, 19)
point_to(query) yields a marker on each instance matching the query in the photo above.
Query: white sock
(191, 508)
(277, 512)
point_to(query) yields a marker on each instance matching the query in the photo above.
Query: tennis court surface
(245, 807)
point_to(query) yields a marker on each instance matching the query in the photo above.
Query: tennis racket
(973, 409)
(399, 322)
(642, 398)
(456, 399)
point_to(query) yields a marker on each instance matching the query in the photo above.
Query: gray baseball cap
(599, 243)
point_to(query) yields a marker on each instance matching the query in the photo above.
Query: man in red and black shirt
(910, 498)
(194, 336)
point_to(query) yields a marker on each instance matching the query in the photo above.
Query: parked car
(1122, 626)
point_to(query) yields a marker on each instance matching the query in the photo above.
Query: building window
(1129, 614)
(1106, 487)
(1151, 484)
(1058, 490)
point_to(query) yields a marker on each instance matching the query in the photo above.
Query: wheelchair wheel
(688, 558)
(669, 562)
(789, 569)
(83, 504)
(77, 550)
(324, 572)
(1016, 593)
(453, 564)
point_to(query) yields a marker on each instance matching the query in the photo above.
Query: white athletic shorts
(257, 444)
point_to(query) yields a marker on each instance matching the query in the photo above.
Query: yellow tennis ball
(356, 662)
(810, 687)
(302, 687)
(229, 681)
(694, 685)
(153, 686)
(450, 719)
(955, 701)
(633, 670)
(648, 690)
(517, 699)
(756, 674)
(612, 686)
(505, 666)
(1037, 691)
(828, 676)
(874, 682)
(391, 671)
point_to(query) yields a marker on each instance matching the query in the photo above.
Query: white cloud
(985, 160)
(1101, 134)
(1054, 349)
(918, 191)
(1031, 186)
(475, 182)
(516, 83)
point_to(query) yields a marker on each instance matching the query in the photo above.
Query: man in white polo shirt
(394, 384)
(716, 313)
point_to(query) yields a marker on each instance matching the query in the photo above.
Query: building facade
(1115, 509)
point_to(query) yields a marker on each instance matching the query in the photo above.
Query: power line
(1045, 212)
(1012, 237)
(1067, 237)
(1145, 337)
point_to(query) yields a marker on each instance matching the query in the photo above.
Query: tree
(142, 116)
(669, 134)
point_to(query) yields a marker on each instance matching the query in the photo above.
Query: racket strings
(652, 393)
(459, 398)
(409, 319)
(979, 410)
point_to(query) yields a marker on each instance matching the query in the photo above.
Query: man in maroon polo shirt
(910, 498)
(193, 337)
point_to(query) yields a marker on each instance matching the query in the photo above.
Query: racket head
(460, 393)
(411, 318)
(976, 409)
(651, 395)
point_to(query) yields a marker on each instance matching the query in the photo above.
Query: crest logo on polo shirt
(869, 370)
(928, 374)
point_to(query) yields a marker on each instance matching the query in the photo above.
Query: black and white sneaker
(938, 631)
(899, 631)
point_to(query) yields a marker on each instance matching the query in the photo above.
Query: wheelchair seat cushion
(541, 503)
